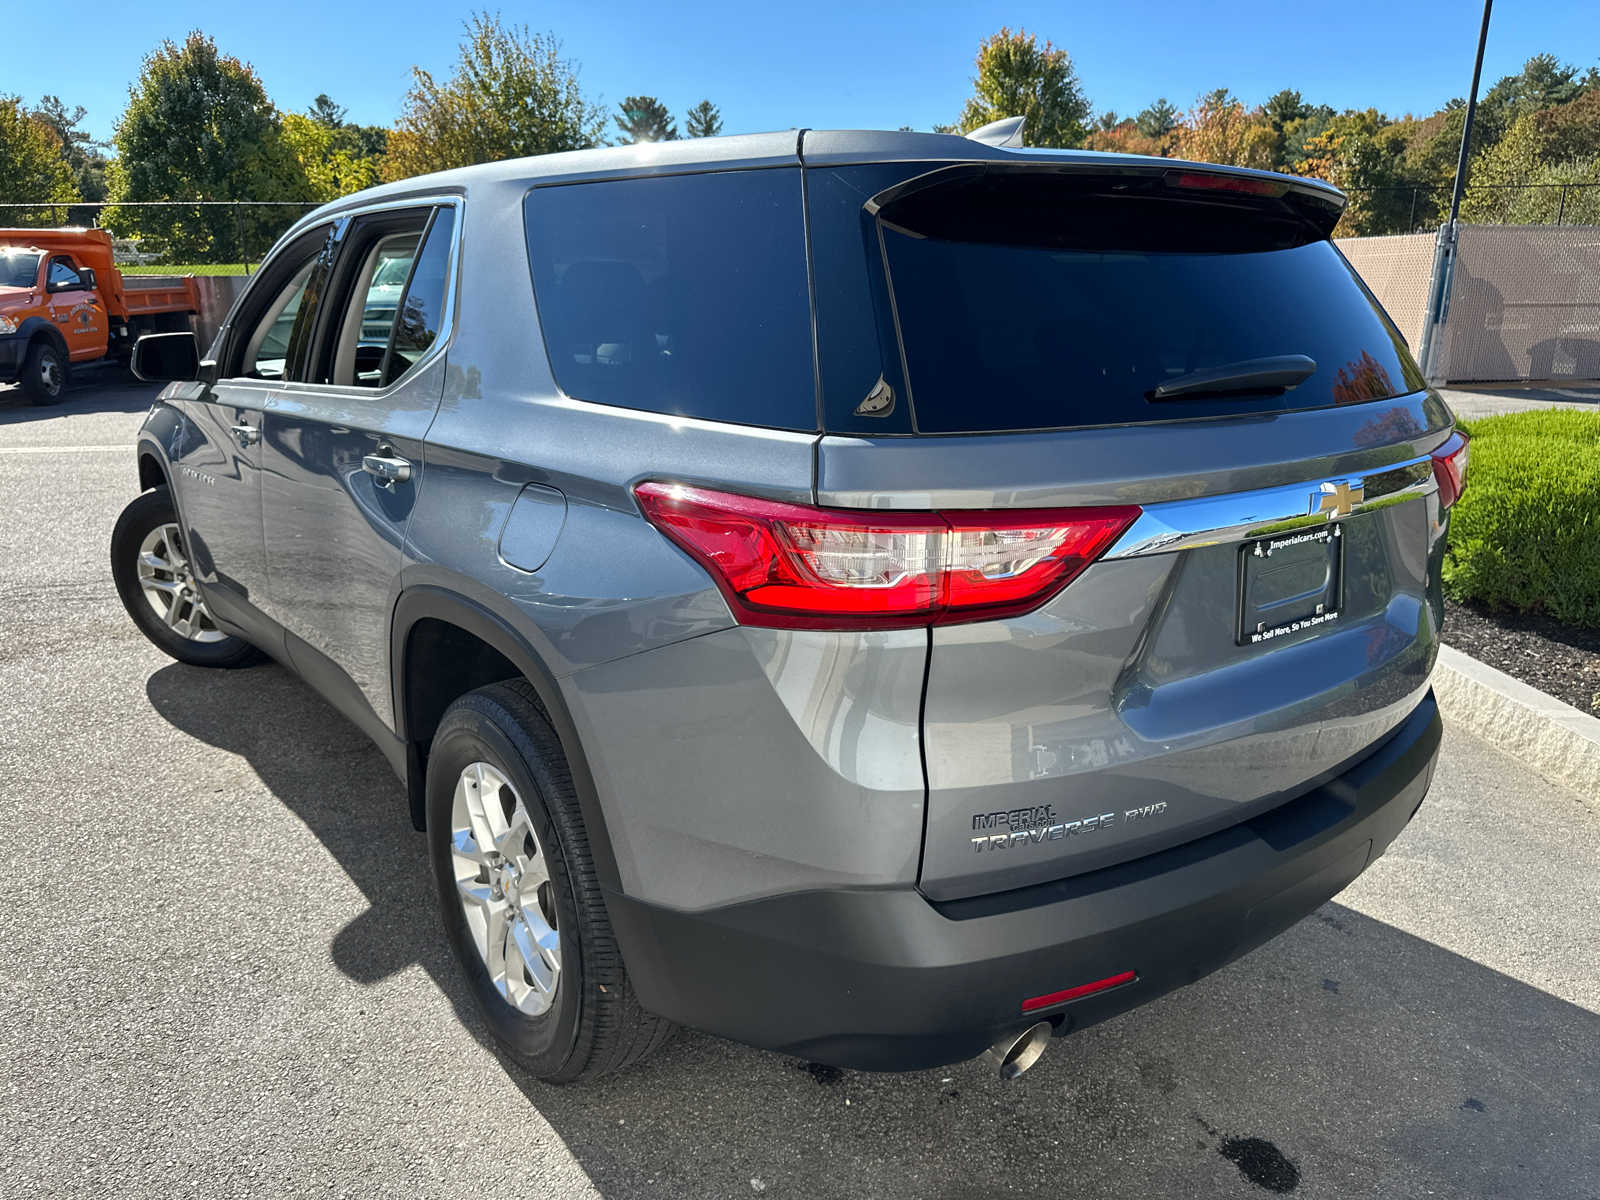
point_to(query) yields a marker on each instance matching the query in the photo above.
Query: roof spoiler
(1006, 132)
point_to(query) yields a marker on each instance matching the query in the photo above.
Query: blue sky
(824, 64)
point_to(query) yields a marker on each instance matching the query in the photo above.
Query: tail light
(1450, 468)
(793, 566)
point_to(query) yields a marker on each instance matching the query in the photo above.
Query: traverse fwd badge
(1024, 825)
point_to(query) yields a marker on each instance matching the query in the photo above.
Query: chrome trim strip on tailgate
(1239, 516)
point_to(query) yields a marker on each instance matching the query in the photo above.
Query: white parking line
(58, 449)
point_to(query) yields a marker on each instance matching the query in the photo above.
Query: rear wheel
(150, 564)
(522, 908)
(45, 374)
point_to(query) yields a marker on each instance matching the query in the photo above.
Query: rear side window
(684, 295)
(1037, 303)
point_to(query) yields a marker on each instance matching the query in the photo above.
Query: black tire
(594, 1024)
(46, 373)
(147, 513)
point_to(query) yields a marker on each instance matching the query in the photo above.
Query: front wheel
(45, 372)
(522, 908)
(156, 582)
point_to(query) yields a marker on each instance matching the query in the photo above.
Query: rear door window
(685, 294)
(1042, 303)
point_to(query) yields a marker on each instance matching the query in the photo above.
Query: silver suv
(876, 597)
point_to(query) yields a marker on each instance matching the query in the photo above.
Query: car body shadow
(1346, 1053)
(107, 390)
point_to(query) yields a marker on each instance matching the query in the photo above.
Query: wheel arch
(152, 472)
(37, 329)
(443, 645)
(154, 468)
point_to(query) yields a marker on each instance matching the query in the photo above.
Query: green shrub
(1525, 534)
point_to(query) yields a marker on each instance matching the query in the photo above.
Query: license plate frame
(1271, 568)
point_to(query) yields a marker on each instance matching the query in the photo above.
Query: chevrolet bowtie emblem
(1337, 499)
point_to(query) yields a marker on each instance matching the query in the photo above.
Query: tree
(644, 119)
(355, 141)
(32, 166)
(82, 153)
(330, 171)
(1160, 119)
(1298, 131)
(1363, 152)
(1542, 83)
(1284, 107)
(1124, 138)
(703, 120)
(1018, 78)
(1219, 129)
(511, 95)
(199, 126)
(326, 113)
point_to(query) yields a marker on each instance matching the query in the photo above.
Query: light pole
(1444, 247)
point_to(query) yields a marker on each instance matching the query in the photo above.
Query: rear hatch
(1018, 335)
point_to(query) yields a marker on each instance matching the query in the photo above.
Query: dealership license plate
(1290, 582)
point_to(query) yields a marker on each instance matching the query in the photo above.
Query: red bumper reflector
(1083, 989)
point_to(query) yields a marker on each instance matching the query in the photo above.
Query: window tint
(1006, 336)
(374, 300)
(61, 272)
(267, 352)
(858, 357)
(684, 295)
(422, 311)
(269, 333)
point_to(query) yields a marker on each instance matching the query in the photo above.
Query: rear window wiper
(1264, 375)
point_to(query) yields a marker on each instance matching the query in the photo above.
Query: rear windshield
(683, 294)
(1036, 304)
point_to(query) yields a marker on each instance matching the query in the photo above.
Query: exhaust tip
(1016, 1052)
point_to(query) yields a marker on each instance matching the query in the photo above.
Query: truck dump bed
(123, 298)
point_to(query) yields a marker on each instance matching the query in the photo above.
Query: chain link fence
(200, 237)
(1373, 212)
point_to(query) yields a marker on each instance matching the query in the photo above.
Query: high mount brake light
(1225, 183)
(793, 566)
(1450, 467)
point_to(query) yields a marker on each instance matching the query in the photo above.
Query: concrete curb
(1553, 737)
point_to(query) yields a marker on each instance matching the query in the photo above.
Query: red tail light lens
(793, 566)
(1450, 468)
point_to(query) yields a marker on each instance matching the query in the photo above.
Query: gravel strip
(1560, 660)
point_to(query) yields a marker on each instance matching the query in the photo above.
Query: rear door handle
(248, 435)
(389, 470)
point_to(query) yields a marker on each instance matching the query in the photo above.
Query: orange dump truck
(63, 303)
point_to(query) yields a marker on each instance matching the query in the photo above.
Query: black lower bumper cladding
(890, 981)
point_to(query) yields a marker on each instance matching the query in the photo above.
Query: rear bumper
(887, 980)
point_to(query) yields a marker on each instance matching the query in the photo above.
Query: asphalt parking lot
(221, 973)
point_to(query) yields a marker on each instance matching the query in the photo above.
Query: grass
(1525, 534)
(188, 269)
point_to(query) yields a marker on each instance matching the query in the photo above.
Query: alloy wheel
(503, 883)
(167, 581)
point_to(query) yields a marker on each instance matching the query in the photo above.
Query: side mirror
(168, 358)
(87, 275)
